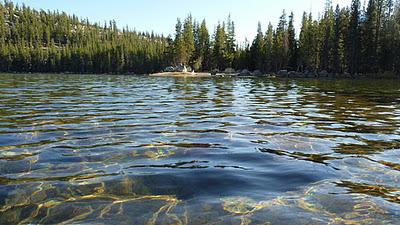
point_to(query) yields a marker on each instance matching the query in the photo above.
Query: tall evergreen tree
(179, 44)
(230, 41)
(219, 48)
(354, 37)
(327, 34)
(292, 44)
(188, 39)
(339, 40)
(386, 53)
(369, 37)
(268, 48)
(197, 61)
(204, 45)
(396, 46)
(257, 50)
(308, 45)
(281, 43)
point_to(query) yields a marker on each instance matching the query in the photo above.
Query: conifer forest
(356, 39)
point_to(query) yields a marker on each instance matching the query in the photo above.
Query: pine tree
(197, 60)
(369, 37)
(188, 40)
(204, 45)
(354, 37)
(396, 46)
(219, 48)
(179, 46)
(3, 46)
(308, 44)
(268, 48)
(326, 30)
(292, 44)
(339, 40)
(386, 53)
(230, 41)
(257, 50)
(281, 43)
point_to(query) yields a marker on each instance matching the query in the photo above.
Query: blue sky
(160, 15)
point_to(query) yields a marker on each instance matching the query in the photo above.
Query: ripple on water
(126, 149)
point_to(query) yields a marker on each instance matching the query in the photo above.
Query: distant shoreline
(180, 74)
(378, 76)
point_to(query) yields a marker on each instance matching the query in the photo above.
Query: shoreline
(382, 76)
(180, 74)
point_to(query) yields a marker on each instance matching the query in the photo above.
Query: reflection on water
(141, 150)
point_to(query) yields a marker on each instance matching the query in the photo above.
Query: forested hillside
(39, 41)
(356, 39)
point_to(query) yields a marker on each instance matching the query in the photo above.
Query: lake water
(145, 150)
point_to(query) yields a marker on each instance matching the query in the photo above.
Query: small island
(179, 71)
(183, 71)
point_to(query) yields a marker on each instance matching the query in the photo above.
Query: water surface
(145, 150)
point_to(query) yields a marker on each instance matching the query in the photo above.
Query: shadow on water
(147, 150)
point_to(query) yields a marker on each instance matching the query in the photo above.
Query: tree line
(354, 39)
(45, 41)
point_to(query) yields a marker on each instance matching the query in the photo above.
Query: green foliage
(396, 37)
(268, 48)
(40, 41)
(308, 44)
(342, 40)
(204, 47)
(219, 48)
(354, 38)
(292, 44)
(188, 40)
(369, 37)
(327, 39)
(230, 42)
(179, 52)
(281, 43)
(339, 40)
(258, 50)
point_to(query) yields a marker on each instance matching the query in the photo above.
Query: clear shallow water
(140, 150)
